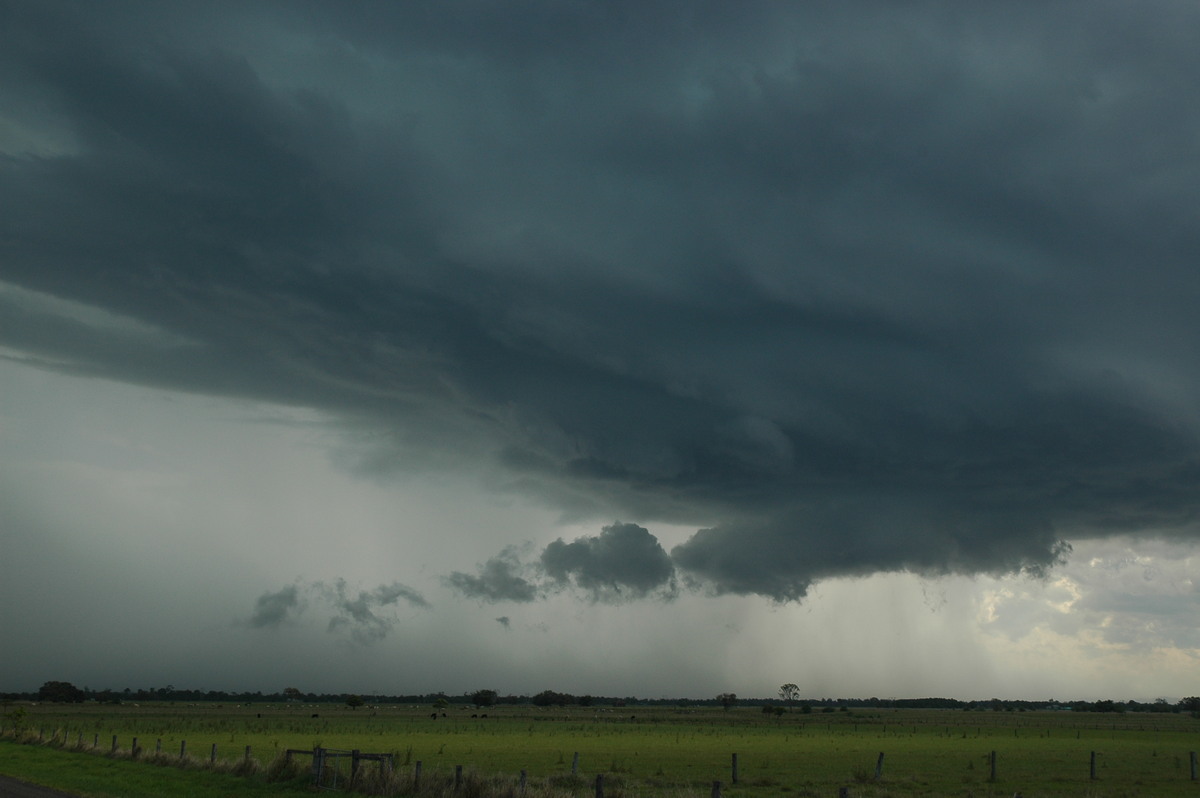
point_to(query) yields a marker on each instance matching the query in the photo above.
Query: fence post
(879, 767)
(1193, 758)
(992, 760)
(716, 789)
(843, 792)
(96, 740)
(575, 764)
(599, 785)
(354, 762)
(417, 775)
(158, 746)
(734, 778)
(457, 776)
(1093, 769)
(133, 749)
(212, 754)
(247, 753)
(318, 764)
(523, 776)
(182, 748)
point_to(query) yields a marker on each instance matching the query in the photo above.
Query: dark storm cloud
(499, 579)
(850, 288)
(624, 561)
(271, 609)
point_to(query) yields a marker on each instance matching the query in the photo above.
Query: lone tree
(354, 701)
(727, 699)
(61, 692)
(483, 698)
(789, 693)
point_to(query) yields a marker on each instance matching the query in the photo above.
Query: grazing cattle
(474, 716)
(433, 715)
(315, 715)
(484, 715)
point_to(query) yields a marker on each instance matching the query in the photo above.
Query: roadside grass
(96, 776)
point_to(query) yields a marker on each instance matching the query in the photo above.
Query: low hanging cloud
(359, 614)
(272, 609)
(623, 562)
(499, 579)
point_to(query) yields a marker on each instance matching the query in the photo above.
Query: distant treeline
(65, 692)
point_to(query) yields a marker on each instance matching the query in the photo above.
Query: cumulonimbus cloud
(841, 313)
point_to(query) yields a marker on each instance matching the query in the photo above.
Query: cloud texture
(846, 289)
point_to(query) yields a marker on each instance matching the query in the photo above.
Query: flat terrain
(680, 751)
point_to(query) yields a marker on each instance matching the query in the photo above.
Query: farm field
(681, 751)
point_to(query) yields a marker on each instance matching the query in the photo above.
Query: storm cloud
(623, 561)
(360, 615)
(845, 289)
(271, 609)
(499, 579)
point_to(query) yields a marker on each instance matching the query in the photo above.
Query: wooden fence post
(734, 768)
(318, 764)
(575, 764)
(523, 776)
(158, 746)
(457, 776)
(879, 767)
(599, 785)
(354, 763)
(716, 789)
(417, 775)
(133, 749)
(992, 761)
(1093, 768)
(114, 745)
(212, 754)
(1193, 758)
(96, 740)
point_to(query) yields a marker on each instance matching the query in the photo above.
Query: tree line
(789, 699)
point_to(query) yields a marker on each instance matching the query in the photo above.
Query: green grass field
(682, 751)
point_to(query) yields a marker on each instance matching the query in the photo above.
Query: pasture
(681, 751)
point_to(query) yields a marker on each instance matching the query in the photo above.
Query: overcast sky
(628, 348)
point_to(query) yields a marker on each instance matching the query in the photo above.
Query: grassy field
(682, 751)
